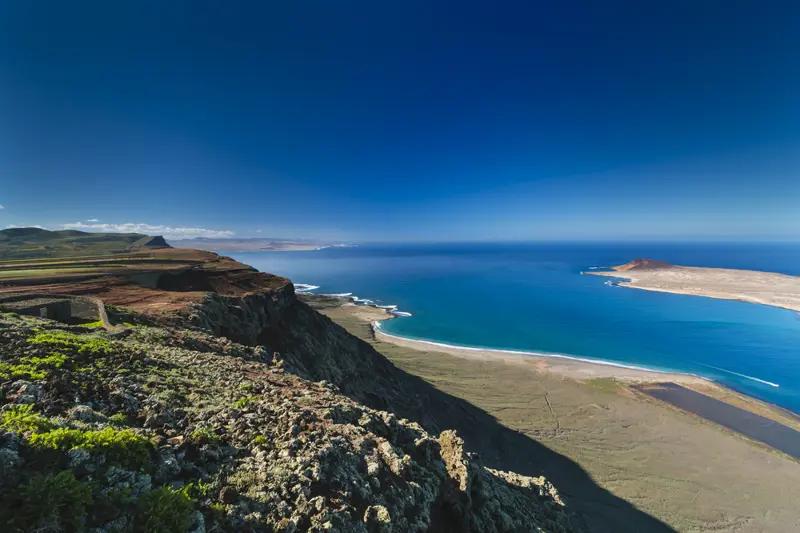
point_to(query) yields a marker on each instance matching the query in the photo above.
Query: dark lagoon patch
(749, 424)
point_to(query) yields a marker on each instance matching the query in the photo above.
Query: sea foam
(752, 378)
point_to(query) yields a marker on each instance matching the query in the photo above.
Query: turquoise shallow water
(532, 297)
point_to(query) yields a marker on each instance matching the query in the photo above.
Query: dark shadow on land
(323, 350)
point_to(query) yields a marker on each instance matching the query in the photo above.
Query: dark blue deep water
(532, 297)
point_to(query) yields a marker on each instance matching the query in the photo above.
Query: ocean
(533, 298)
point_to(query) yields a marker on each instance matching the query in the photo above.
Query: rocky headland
(233, 407)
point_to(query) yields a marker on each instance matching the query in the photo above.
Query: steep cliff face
(245, 318)
(313, 346)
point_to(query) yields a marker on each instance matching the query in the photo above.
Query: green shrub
(119, 419)
(21, 371)
(112, 501)
(246, 402)
(22, 418)
(50, 503)
(123, 447)
(55, 360)
(196, 489)
(260, 440)
(85, 344)
(204, 434)
(163, 511)
(33, 368)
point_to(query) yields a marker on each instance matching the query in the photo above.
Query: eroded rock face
(244, 319)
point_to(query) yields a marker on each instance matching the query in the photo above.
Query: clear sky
(416, 120)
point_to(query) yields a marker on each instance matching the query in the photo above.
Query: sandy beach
(766, 288)
(564, 366)
(570, 367)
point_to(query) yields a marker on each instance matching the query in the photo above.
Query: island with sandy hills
(766, 288)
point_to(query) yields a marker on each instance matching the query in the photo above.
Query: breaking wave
(765, 382)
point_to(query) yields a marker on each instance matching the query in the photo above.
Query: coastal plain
(689, 473)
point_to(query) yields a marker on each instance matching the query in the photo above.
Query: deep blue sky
(404, 121)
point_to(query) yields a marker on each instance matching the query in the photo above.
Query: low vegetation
(55, 502)
(22, 419)
(80, 343)
(123, 447)
(163, 510)
(171, 430)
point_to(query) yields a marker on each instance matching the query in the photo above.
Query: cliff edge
(245, 410)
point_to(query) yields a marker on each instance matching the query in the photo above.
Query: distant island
(766, 288)
(252, 245)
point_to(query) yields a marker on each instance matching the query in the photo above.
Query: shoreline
(572, 366)
(676, 456)
(582, 369)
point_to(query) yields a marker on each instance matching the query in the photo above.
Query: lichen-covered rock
(179, 426)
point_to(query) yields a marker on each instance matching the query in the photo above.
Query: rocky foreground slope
(169, 425)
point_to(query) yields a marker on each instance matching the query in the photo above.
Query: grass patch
(123, 447)
(22, 419)
(204, 434)
(33, 368)
(605, 384)
(244, 403)
(84, 344)
(163, 511)
(21, 371)
(119, 420)
(48, 503)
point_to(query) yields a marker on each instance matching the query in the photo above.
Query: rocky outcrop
(312, 346)
(176, 429)
(643, 264)
(151, 242)
(247, 318)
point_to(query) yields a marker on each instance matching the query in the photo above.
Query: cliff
(247, 411)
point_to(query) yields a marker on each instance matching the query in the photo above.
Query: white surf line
(771, 384)
(377, 326)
